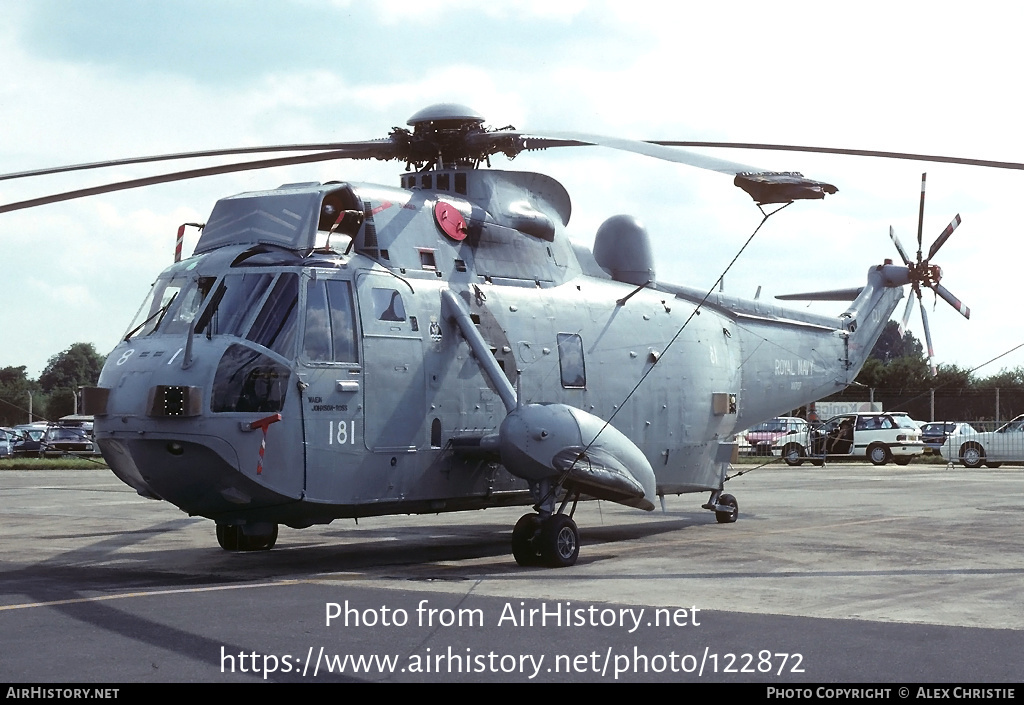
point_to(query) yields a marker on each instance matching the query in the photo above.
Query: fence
(986, 408)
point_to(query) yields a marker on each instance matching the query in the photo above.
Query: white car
(878, 437)
(991, 448)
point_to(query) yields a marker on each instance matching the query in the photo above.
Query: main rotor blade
(899, 247)
(848, 152)
(943, 236)
(947, 296)
(927, 332)
(176, 176)
(361, 147)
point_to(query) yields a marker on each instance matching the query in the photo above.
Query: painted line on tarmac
(152, 593)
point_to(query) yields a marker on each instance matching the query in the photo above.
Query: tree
(1004, 379)
(61, 403)
(77, 366)
(892, 345)
(14, 392)
(896, 362)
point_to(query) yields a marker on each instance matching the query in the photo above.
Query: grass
(90, 463)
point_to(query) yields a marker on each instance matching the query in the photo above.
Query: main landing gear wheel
(232, 538)
(728, 517)
(524, 543)
(553, 542)
(559, 541)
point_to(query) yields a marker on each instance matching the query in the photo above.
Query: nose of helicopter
(156, 426)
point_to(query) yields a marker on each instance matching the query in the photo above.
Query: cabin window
(427, 260)
(330, 334)
(570, 361)
(387, 304)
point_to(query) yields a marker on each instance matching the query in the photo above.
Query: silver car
(7, 437)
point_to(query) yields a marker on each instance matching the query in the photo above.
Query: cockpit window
(161, 297)
(232, 304)
(275, 326)
(186, 305)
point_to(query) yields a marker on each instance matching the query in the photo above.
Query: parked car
(878, 437)
(29, 442)
(66, 440)
(991, 448)
(764, 436)
(935, 434)
(7, 437)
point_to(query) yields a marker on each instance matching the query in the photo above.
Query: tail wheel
(559, 541)
(729, 516)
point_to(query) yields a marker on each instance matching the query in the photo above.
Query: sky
(104, 79)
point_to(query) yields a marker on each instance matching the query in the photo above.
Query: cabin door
(395, 392)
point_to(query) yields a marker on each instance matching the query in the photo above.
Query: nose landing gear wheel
(232, 538)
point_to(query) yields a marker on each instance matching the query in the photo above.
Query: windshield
(232, 305)
(171, 305)
(1016, 425)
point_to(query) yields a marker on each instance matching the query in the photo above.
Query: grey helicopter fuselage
(273, 379)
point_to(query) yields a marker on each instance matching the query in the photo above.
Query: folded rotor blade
(848, 152)
(671, 154)
(177, 176)
(762, 185)
(943, 236)
(899, 246)
(831, 295)
(953, 301)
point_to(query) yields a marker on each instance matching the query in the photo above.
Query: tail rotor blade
(920, 217)
(899, 246)
(943, 236)
(906, 316)
(953, 301)
(927, 335)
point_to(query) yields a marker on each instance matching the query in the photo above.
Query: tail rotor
(925, 274)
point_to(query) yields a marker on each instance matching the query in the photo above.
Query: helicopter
(344, 349)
